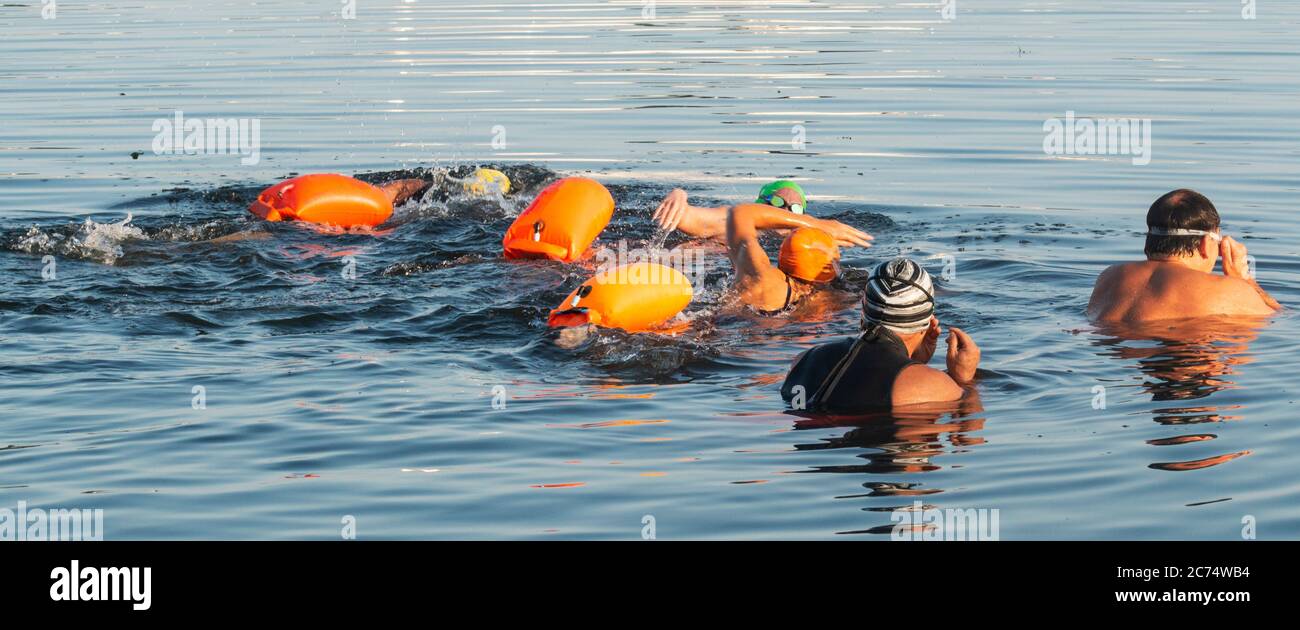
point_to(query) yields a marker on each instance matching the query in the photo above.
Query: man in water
(674, 213)
(885, 365)
(1176, 280)
(809, 256)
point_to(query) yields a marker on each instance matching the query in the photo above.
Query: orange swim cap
(810, 254)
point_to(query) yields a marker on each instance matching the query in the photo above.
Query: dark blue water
(372, 396)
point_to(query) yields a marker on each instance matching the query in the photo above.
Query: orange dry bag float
(634, 297)
(324, 198)
(561, 222)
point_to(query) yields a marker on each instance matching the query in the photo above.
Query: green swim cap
(766, 193)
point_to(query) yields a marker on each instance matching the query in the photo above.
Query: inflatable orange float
(562, 221)
(635, 297)
(324, 198)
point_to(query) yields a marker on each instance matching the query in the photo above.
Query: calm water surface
(372, 397)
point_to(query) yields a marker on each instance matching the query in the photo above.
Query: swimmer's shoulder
(813, 365)
(1233, 296)
(1114, 289)
(768, 291)
(919, 383)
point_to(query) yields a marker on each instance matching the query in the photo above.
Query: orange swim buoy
(635, 297)
(324, 198)
(561, 222)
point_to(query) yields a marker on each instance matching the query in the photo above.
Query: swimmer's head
(1178, 223)
(784, 193)
(899, 295)
(487, 181)
(811, 255)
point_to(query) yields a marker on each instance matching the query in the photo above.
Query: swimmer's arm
(675, 213)
(1263, 295)
(700, 222)
(400, 190)
(918, 384)
(749, 260)
(1236, 265)
(769, 218)
(1248, 298)
(1095, 306)
(240, 236)
(963, 357)
(970, 401)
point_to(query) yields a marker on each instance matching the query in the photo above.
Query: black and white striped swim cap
(899, 295)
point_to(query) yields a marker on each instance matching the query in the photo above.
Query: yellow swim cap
(811, 255)
(487, 180)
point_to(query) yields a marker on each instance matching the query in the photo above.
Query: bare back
(1153, 290)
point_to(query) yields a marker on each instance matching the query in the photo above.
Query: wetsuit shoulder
(812, 367)
(852, 375)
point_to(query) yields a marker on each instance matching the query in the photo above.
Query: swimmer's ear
(1209, 247)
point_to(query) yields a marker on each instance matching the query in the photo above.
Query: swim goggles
(1158, 231)
(777, 201)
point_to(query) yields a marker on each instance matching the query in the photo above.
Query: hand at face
(929, 343)
(963, 356)
(1235, 263)
(671, 210)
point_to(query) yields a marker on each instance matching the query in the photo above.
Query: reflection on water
(898, 442)
(1185, 360)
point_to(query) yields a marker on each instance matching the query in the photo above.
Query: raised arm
(1236, 265)
(674, 213)
(762, 217)
(743, 225)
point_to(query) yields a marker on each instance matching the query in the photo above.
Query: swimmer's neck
(1195, 263)
(912, 342)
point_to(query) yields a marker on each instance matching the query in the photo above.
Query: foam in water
(98, 242)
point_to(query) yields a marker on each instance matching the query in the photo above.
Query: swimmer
(675, 213)
(1176, 281)
(809, 256)
(885, 365)
(396, 192)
